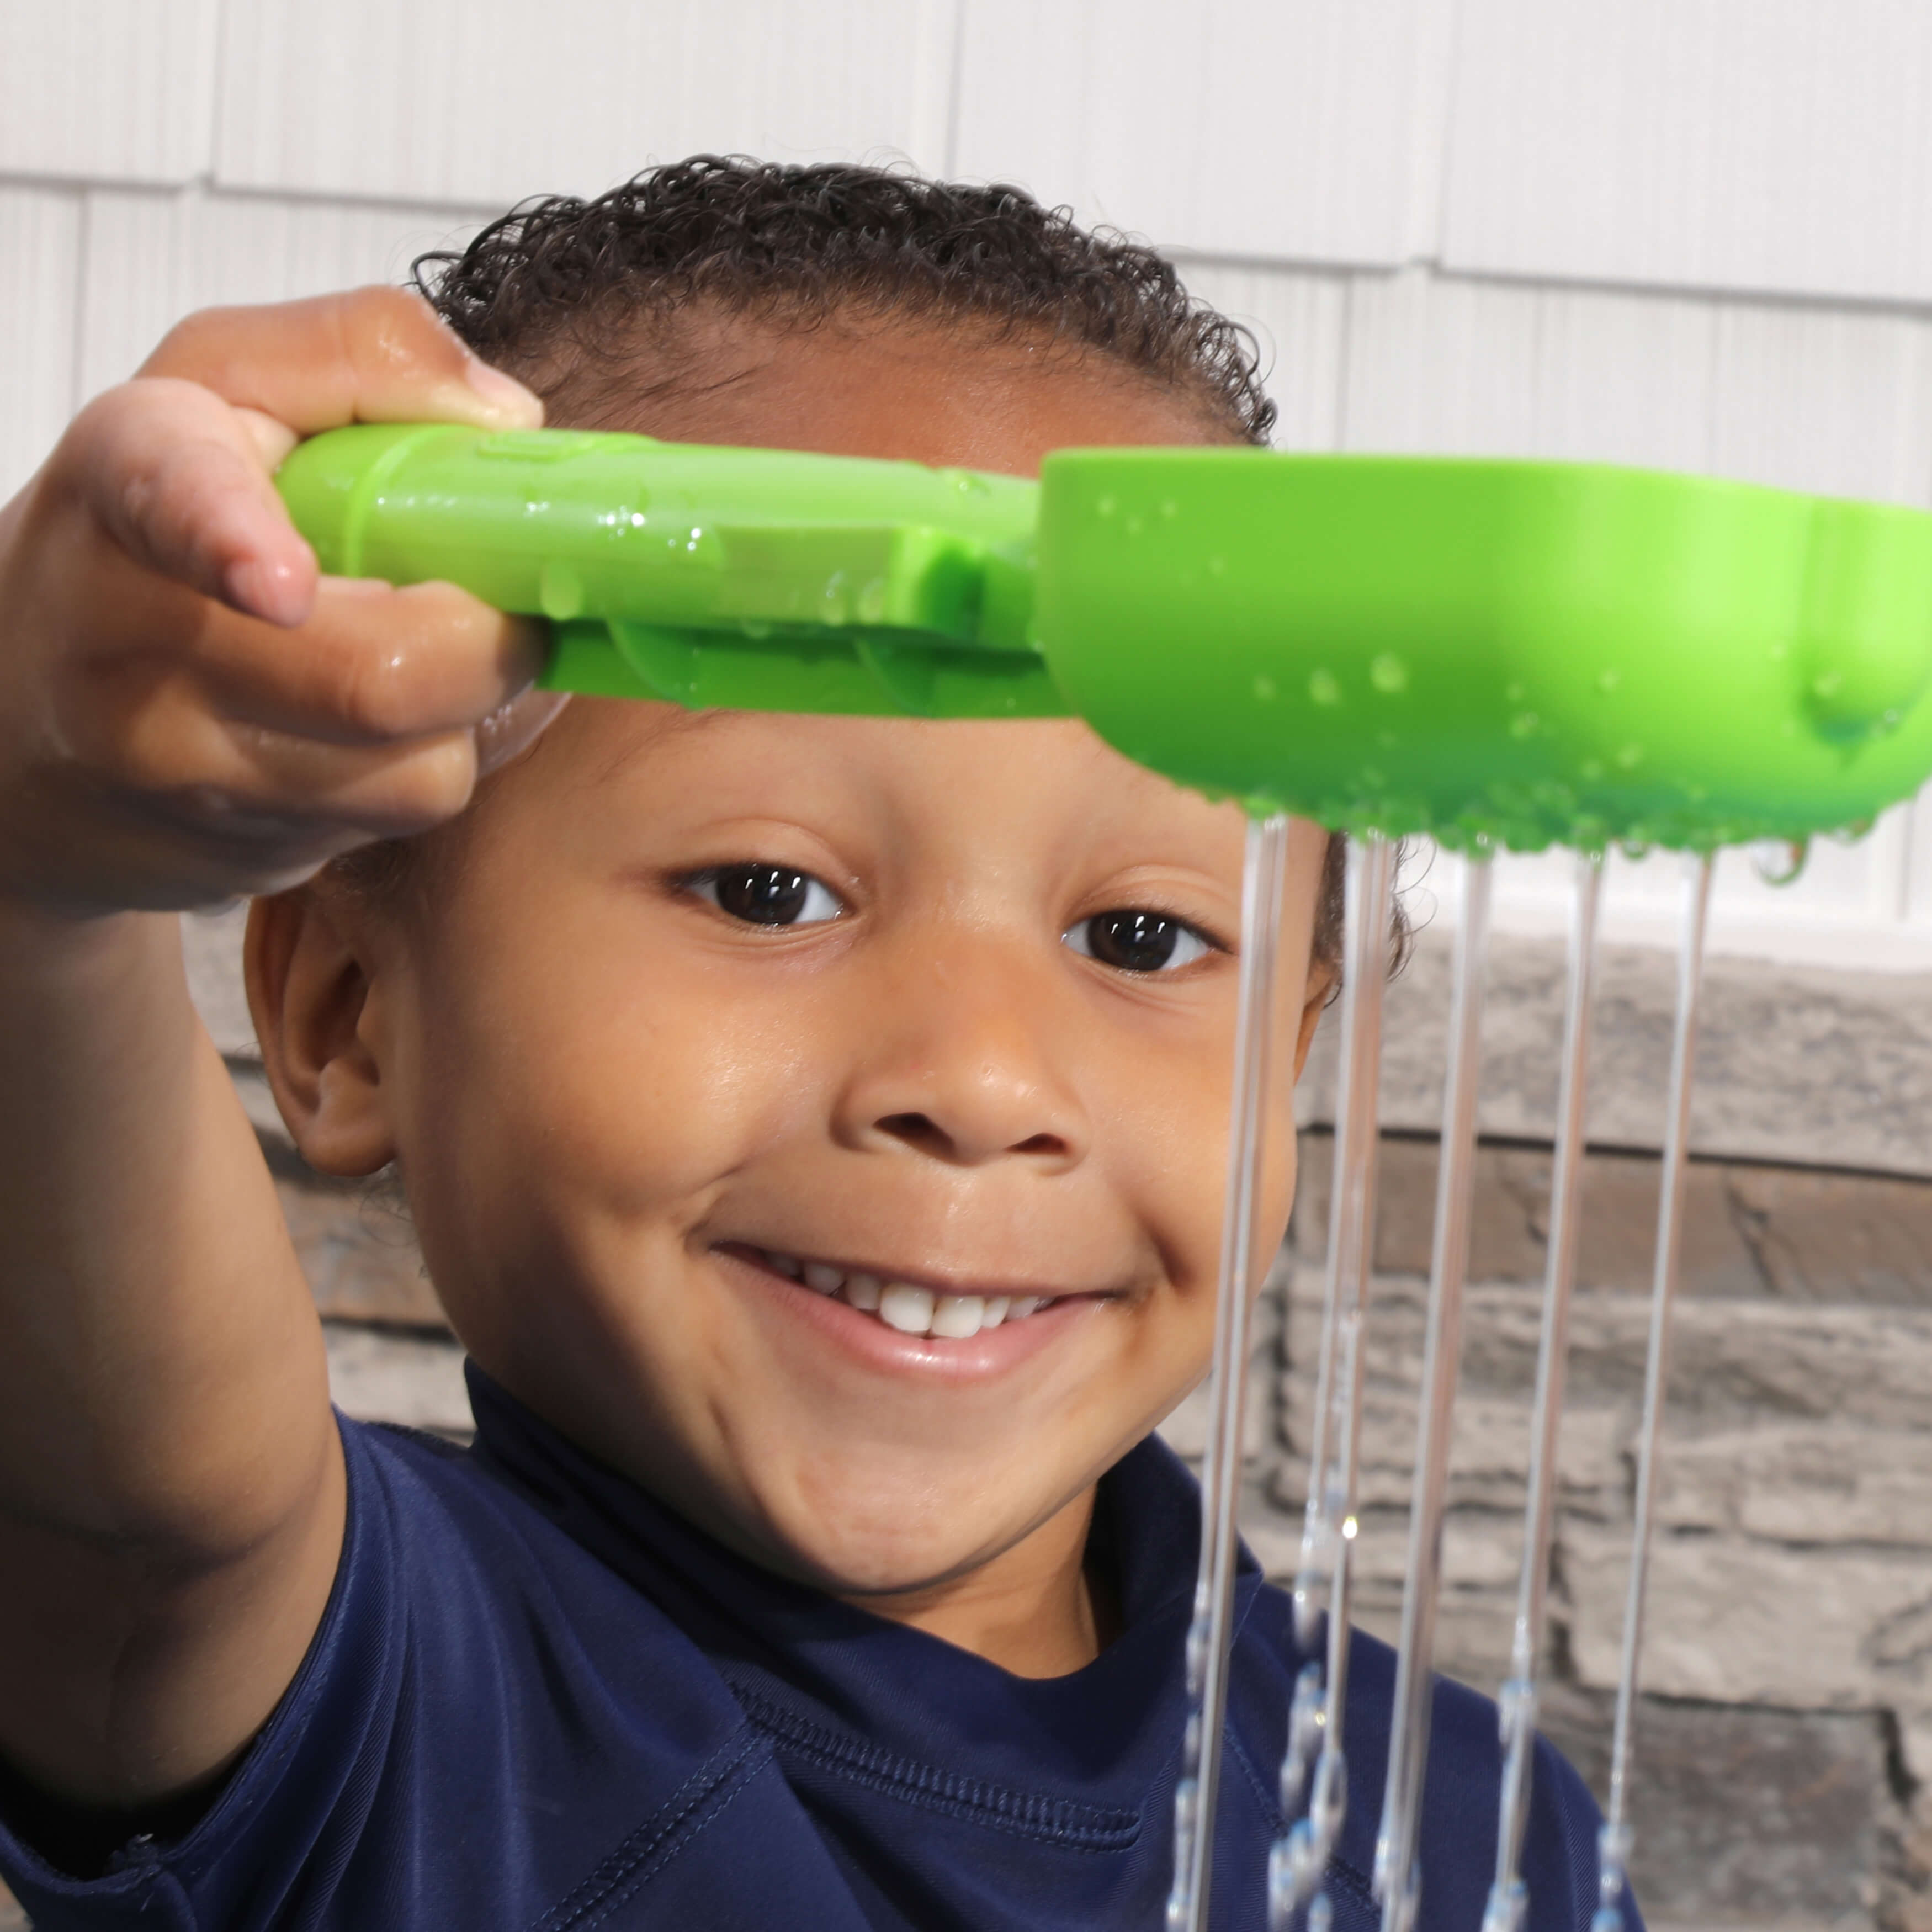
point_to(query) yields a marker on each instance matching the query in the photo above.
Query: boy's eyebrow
(673, 721)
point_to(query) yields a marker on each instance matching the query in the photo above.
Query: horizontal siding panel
(1844, 883)
(1296, 319)
(1770, 145)
(39, 253)
(119, 90)
(1917, 882)
(479, 104)
(1439, 366)
(1295, 129)
(151, 259)
(1861, 906)
(1803, 398)
(1831, 401)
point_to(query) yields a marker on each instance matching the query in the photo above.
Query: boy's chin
(880, 1556)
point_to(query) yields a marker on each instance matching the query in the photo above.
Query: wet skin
(622, 1110)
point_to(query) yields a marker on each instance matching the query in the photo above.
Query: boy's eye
(1139, 942)
(767, 895)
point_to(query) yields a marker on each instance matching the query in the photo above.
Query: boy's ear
(309, 975)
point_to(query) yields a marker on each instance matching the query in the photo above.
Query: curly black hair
(560, 288)
(564, 293)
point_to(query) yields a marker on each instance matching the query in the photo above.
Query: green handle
(1508, 653)
(760, 579)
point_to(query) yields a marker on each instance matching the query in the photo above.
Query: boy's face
(697, 1006)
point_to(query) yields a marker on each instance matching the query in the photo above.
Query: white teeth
(903, 1305)
(906, 1308)
(957, 1317)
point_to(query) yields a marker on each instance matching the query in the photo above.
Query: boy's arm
(186, 714)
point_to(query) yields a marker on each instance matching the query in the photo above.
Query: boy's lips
(897, 1323)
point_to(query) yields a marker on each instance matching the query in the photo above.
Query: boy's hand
(187, 713)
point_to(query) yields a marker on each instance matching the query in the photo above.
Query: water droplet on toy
(1523, 724)
(1389, 673)
(1169, 508)
(1324, 687)
(1778, 862)
(970, 483)
(1609, 680)
(872, 600)
(835, 598)
(1827, 684)
(756, 629)
(1105, 506)
(1630, 758)
(1265, 687)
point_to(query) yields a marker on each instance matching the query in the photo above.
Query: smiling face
(825, 1120)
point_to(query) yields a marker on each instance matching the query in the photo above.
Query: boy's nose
(966, 1073)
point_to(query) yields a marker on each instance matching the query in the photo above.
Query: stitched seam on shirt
(1057, 1821)
(645, 1849)
(1338, 1868)
(644, 1876)
(1270, 1807)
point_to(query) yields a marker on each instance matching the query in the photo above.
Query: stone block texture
(1783, 1767)
(1782, 1778)
(1784, 1743)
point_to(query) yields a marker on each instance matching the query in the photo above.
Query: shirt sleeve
(489, 1717)
(297, 1801)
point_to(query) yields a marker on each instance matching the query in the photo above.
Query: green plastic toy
(1498, 653)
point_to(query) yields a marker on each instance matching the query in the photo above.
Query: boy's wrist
(43, 943)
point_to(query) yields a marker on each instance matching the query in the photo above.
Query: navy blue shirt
(541, 1702)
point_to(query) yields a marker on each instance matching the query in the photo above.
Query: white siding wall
(1695, 233)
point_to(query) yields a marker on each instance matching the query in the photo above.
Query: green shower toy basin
(1512, 654)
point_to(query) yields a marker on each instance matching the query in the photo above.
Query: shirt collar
(798, 1657)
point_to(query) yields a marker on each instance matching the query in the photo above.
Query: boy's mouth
(908, 1306)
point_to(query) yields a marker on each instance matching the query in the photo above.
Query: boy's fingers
(174, 479)
(247, 785)
(372, 355)
(373, 665)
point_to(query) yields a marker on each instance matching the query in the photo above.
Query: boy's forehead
(610, 759)
(947, 393)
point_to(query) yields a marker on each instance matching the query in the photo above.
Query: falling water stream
(1314, 1776)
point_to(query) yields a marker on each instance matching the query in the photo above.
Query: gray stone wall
(1783, 1765)
(1788, 1655)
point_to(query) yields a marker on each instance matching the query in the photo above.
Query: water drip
(1695, 921)
(1518, 1700)
(1397, 1879)
(1299, 1862)
(1211, 1632)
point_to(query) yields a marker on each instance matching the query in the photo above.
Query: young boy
(815, 1128)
